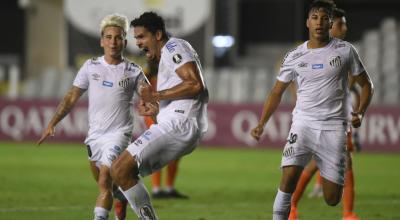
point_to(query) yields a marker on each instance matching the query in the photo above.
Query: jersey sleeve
(81, 78)
(356, 65)
(179, 53)
(286, 71)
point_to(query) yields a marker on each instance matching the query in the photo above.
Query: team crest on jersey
(124, 82)
(177, 58)
(96, 76)
(335, 62)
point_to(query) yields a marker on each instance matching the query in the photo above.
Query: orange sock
(348, 193)
(300, 187)
(156, 180)
(172, 170)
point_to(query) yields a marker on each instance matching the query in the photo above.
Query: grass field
(53, 182)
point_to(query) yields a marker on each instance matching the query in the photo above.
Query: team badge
(124, 83)
(177, 58)
(335, 61)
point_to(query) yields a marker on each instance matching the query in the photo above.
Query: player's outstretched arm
(62, 110)
(191, 86)
(270, 105)
(367, 91)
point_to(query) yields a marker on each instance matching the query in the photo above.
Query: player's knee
(117, 172)
(332, 199)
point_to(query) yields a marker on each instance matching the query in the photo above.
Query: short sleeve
(81, 78)
(356, 66)
(286, 72)
(179, 53)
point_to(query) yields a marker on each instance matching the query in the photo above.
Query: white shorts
(107, 148)
(164, 142)
(327, 147)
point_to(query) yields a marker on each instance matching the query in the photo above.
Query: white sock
(281, 207)
(139, 199)
(100, 213)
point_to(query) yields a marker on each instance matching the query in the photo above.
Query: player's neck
(160, 46)
(113, 60)
(314, 43)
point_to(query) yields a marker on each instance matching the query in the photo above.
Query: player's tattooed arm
(67, 104)
(62, 110)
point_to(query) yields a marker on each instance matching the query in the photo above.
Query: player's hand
(147, 93)
(257, 132)
(356, 119)
(147, 108)
(50, 131)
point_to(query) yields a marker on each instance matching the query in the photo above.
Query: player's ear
(101, 41)
(159, 35)
(308, 23)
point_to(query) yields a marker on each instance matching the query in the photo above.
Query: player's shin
(139, 199)
(281, 207)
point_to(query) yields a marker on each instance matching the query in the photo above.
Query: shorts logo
(107, 83)
(335, 61)
(138, 142)
(292, 138)
(317, 66)
(288, 152)
(146, 213)
(177, 58)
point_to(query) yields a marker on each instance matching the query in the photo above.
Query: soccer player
(172, 168)
(320, 68)
(181, 121)
(111, 81)
(338, 30)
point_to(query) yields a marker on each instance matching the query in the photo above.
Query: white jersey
(110, 91)
(174, 54)
(321, 76)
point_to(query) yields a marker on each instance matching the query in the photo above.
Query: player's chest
(111, 79)
(321, 66)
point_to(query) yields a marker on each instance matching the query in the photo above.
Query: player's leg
(104, 199)
(348, 191)
(317, 189)
(281, 207)
(120, 203)
(156, 190)
(331, 157)
(304, 179)
(101, 209)
(125, 174)
(172, 170)
(295, 156)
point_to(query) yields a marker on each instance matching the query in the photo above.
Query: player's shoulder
(132, 66)
(294, 53)
(93, 61)
(174, 45)
(339, 44)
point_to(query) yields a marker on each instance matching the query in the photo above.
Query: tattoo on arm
(66, 105)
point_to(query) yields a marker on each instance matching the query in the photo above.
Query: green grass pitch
(53, 181)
